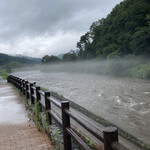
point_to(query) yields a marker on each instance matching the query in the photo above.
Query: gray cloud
(29, 20)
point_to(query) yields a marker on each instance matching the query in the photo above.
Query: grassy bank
(141, 71)
(3, 74)
(135, 68)
(129, 66)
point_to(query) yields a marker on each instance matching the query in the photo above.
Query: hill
(126, 30)
(5, 59)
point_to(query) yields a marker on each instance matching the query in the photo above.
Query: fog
(138, 67)
(122, 101)
(75, 67)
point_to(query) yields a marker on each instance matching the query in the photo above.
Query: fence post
(110, 135)
(38, 97)
(31, 93)
(23, 86)
(19, 83)
(48, 107)
(27, 88)
(16, 82)
(66, 124)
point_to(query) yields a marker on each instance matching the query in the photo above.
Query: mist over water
(76, 67)
(123, 101)
(138, 67)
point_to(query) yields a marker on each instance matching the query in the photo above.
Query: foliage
(37, 116)
(50, 59)
(56, 139)
(3, 73)
(71, 56)
(125, 31)
(12, 65)
(141, 71)
(5, 59)
(114, 67)
(148, 19)
(89, 142)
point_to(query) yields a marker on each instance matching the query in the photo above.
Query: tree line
(125, 31)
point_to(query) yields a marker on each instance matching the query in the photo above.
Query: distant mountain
(4, 59)
(27, 57)
(60, 56)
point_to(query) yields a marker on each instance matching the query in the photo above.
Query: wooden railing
(109, 136)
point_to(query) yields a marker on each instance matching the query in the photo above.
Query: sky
(47, 27)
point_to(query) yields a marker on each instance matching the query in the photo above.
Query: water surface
(123, 101)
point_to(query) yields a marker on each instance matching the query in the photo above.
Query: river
(122, 101)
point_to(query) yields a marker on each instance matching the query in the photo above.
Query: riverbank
(3, 74)
(120, 67)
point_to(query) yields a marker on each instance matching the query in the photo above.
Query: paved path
(16, 131)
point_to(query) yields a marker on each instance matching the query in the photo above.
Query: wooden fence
(109, 136)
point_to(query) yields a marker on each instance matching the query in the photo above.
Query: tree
(50, 59)
(123, 30)
(141, 42)
(12, 65)
(71, 56)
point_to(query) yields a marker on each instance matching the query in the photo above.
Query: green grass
(141, 71)
(37, 116)
(3, 73)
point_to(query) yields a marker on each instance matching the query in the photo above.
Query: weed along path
(16, 131)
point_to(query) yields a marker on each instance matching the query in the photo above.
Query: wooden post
(23, 86)
(66, 124)
(20, 85)
(27, 88)
(16, 82)
(38, 96)
(31, 93)
(110, 135)
(48, 106)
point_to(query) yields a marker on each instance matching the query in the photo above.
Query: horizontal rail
(118, 146)
(55, 117)
(41, 92)
(42, 103)
(33, 96)
(86, 125)
(33, 87)
(78, 139)
(56, 103)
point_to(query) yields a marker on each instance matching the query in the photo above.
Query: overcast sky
(40, 27)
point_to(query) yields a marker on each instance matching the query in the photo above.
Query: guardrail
(109, 136)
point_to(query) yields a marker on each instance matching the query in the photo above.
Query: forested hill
(126, 30)
(5, 59)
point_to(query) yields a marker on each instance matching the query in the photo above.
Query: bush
(141, 71)
(114, 67)
(3, 74)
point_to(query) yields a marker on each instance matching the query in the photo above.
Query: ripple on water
(122, 101)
